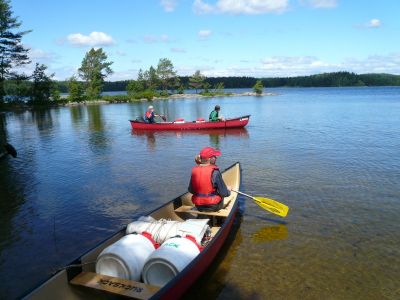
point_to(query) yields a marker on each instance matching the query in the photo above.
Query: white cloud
(39, 55)
(204, 34)
(320, 3)
(289, 66)
(374, 23)
(296, 65)
(375, 64)
(169, 5)
(164, 38)
(93, 39)
(247, 7)
(120, 53)
(123, 75)
(151, 39)
(178, 50)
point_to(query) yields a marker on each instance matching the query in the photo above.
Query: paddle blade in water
(272, 206)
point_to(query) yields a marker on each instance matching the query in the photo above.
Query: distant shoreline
(171, 97)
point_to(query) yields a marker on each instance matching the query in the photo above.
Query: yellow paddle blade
(272, 206)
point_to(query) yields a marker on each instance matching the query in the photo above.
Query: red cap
(209, 152)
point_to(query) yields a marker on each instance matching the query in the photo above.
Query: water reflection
(270, 233)
(92, 117)
(11, 192)
(3, 131)
(43, 119)
(77, 114)
(214, 280)
(150, 137)
(215, 135)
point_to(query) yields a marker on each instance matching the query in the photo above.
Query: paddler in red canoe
(150, 115)
(206, 183)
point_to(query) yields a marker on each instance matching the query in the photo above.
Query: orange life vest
(148, 114)
(203, 191)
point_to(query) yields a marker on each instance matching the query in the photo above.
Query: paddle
(268, 204)
(163, 117)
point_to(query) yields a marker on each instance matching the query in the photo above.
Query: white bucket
(125, 258)
(168, 260)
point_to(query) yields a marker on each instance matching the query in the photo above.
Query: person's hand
(229, 188)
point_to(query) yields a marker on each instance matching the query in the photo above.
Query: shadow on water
(11, 192)
(213, 281)
(12, 195)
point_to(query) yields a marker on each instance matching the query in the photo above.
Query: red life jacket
(203, 191)
(148, 114)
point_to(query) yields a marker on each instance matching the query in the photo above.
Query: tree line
(156, 81)
(334, 79)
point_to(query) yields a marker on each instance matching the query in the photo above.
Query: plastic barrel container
(168, 260)
(125, 258)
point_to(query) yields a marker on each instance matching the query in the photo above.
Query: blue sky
(260, 38)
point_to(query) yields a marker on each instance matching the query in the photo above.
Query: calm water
(332, 155)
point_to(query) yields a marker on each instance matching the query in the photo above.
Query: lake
(331, 154)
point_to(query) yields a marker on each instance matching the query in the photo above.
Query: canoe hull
(59, 286)
(228, 123)
(176, 288)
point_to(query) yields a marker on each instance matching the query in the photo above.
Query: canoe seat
(192, 210)
(116, 286)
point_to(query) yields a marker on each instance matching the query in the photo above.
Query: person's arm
(219, 184)
(190, 188)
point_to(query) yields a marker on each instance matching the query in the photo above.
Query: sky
(257, 38)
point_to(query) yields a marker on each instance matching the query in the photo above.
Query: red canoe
(79, 280)
(180, 124)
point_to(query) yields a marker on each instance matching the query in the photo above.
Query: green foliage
(18, 89)
(206, 87)
(219, 87)
(258, 87)
(181, 89)
(42, 85)
(134, 86)
(93, 70)
(12, 51)
(164, 93)
(335, 79)
(166, 73)
(117, 98)
(196, 81)
(249, 82)
(75, 90)
(55, 92)
(147, 94)
(152, 78)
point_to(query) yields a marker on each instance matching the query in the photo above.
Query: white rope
(164, 229)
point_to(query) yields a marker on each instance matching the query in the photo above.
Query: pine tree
(258, 87)
(12, 52)
(196, 81)
(42, 84)
(75, 90)
(93, 70)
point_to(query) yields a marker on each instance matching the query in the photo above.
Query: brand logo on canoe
(120, 285)
(171, 245)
